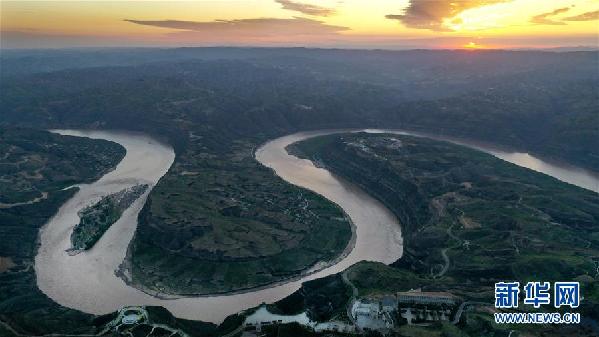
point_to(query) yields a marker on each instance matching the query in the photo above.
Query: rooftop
(130, 319)
(426, 294)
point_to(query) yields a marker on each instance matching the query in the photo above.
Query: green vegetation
(66, 161)
(494, 221)
(151, 321)
(540, 102)
(33, 164)
(373, 278)
(554, 119)
(478, 325)
(217, 207)
(323, 299)
(217, 214)
(297, 330)
(97, 218)
(219, 221)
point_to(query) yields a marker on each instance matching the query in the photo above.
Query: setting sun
(261, 168)
(473, 45)
(355, 24)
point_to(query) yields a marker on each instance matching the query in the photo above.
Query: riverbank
(95, 277)
(476, 218)
(47, 164)
(95, 219)
(373, 222)
(124, 272)
(219, 214)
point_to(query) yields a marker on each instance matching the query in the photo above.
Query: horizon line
(557, 48)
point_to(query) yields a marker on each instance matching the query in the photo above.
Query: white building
(420, 297)
(371, 315)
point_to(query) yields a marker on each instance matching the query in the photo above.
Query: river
(87, 281)
(560, 170)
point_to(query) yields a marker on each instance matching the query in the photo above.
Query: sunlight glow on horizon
(472, 46)
(354, 23)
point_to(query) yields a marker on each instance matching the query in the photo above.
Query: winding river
(87, 281)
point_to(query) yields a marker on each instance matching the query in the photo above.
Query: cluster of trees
(206, 102)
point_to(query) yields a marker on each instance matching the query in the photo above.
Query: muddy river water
(87, 281)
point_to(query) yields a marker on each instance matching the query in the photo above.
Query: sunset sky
(393, 24)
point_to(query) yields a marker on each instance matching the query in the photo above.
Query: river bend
(87, 281)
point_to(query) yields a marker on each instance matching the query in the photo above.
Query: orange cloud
(244, 28)
(429, 14)
(545, 18)
(588, 16)
(306, 8)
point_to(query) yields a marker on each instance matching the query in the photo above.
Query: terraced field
(219, 221)
(469, 219)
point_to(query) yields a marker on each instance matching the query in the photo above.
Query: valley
(441, 194)
(231, 220)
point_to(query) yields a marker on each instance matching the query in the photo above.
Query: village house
(420, 297)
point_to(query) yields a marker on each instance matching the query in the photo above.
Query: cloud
(306, 8)
(588, 16)
(545, 18)
(247, 28)
(429, 14)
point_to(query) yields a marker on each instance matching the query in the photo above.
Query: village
(382, 314)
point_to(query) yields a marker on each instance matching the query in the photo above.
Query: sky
(387, 24)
